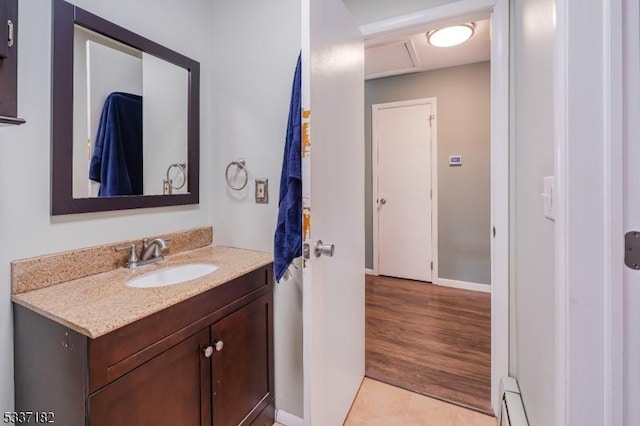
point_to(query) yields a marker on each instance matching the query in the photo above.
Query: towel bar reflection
(175, 180)
(240, 165)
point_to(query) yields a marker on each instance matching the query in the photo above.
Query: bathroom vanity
(200, 355)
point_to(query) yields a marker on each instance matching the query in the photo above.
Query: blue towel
(288, 236)
(117, 155)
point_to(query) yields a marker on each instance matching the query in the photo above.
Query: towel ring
(182, 170)
(240, 164)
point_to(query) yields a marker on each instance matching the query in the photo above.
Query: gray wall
(368, 11)
(532, 304)
(463, 103)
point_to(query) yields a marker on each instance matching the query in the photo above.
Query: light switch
(548, 197)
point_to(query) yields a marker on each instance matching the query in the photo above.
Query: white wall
(367, 11)
(26, 227)
(255, 47)
(532, 236)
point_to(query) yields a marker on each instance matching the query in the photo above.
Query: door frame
(434, 174)
(498, 12)
(589, 250)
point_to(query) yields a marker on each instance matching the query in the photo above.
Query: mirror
(125, 118)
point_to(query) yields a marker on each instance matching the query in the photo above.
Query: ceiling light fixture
(450, 36)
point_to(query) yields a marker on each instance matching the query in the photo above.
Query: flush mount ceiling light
(450, 36)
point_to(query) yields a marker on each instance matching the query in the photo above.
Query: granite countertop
(101, 303)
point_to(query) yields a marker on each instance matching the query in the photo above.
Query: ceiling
(409, 54)
(368, 11)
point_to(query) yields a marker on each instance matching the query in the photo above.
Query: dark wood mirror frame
(65, 16)
(9, 64)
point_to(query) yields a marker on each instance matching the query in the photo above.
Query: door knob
(219, 345)
(326, 249)
(383, 201)
(207, 352)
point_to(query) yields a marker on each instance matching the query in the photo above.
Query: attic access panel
(388, 59)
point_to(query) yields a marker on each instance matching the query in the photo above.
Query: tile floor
(380, 404)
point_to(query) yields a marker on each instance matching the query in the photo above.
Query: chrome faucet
(150, 252)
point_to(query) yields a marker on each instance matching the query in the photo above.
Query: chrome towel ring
(179, 179)
(240, 165)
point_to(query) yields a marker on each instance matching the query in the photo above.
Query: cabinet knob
(219, 345)
(207, 352)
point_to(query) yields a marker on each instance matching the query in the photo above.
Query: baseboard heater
(511, 406)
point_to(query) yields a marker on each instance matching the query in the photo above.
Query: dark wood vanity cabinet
(205, 361)
(240, 373)
(170, 389)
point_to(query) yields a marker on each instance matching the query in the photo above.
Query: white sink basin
(172, 275)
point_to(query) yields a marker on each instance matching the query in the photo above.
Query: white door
(403, 135)
(631, 290)
(333, 197)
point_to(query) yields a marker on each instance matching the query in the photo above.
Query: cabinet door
(242, 363)
(171, 389)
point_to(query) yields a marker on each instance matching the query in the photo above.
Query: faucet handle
(163, 242)
(160, 245)
(133, 255)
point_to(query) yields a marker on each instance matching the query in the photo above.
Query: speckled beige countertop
(101, 303)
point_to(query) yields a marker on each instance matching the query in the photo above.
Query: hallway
(431, 340)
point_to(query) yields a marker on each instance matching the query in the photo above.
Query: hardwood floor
(429, 339)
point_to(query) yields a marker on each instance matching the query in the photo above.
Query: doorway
(403, 138)
(427, 338)
(498, 229)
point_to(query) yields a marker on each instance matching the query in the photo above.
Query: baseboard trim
(483, 288)
(368, 271)
(288, 419)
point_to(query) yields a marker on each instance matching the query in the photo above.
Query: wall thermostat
(455, 160)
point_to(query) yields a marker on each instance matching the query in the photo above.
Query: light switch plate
(262, 191)
(548, 197)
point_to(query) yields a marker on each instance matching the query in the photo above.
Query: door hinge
(632, 249)
(432, 266)
(431, 118)
(306, 251)
(431, 194)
